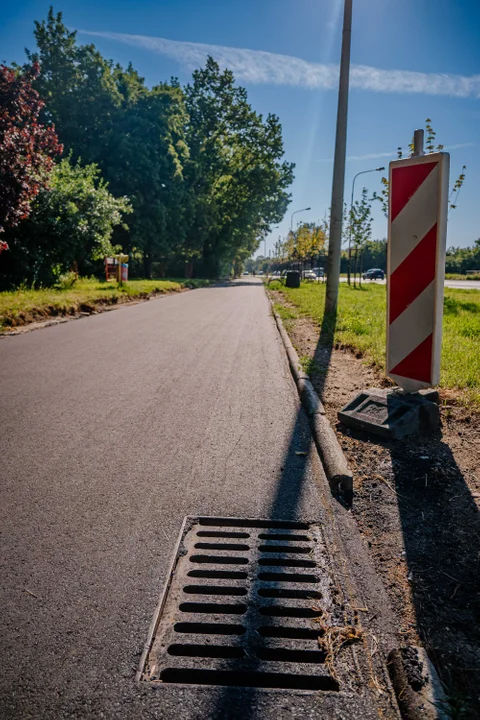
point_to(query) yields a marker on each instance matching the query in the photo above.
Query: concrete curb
(339, 476)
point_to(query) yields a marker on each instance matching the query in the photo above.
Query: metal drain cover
(244, 606)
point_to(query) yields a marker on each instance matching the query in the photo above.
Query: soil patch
(417, 506)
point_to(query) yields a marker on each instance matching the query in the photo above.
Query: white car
(309, 275)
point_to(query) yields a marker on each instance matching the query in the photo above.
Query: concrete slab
(391, 413)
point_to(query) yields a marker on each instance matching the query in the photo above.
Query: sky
(411, 59)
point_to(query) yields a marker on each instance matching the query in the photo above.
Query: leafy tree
(383, 196)
(235, 168)
(146, 163)
(27, 147)
(204, 171)
(305, 243)
(70, 226)
(459, 260)
(360, 230)
(81, 89)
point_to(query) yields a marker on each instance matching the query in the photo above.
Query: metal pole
(336, 210)
(418, 143)
(362, 172)
(294, 213)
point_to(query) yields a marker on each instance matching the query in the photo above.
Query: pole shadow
(440, 523)
(322, 356)
(244, 703)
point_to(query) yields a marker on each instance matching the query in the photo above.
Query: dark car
(374, 274)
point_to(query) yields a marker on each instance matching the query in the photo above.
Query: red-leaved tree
(27, 147)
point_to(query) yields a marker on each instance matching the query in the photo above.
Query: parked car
(374, 274)
(245, 273)
(309, 275)
(319, 272)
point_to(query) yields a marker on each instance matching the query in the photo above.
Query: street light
(362, 172)
(294, 213)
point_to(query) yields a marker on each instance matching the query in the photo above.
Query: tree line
(181, 178)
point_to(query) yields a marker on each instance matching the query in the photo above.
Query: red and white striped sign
(416, 269)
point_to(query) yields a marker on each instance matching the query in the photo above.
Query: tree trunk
(355, 269)
(189, 269)
(349, 261)
(211, 265)
(361, 269)
(147, 266)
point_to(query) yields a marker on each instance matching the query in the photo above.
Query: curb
(339, 475)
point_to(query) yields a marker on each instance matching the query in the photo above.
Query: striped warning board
(416, 269)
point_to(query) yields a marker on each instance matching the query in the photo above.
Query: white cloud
(260, 67)
(377, 156)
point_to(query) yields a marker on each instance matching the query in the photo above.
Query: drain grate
(241, 607)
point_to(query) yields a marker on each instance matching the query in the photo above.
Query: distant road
(459, 284)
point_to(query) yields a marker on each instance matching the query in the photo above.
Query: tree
(459, 260)
(307, 242)
(203, 170)
(80, 89)
(235, 169)
(360, 230)
(70, 226)
(383, 196)
(27, 147)
(146, 162)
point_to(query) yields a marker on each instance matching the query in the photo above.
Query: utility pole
(336, 210)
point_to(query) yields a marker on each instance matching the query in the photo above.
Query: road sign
(416, 269)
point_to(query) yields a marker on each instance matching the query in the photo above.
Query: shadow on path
(286, 505)
(233, 702)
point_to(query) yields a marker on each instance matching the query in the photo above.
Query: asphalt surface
(114, 427)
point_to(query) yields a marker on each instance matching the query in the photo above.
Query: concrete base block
(391, 413)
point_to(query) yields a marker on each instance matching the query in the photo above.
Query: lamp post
(294, 213)
(362, 172)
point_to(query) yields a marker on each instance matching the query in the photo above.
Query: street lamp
(294, 213)
(362, 172)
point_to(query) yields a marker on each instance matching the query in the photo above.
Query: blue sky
(410, 60)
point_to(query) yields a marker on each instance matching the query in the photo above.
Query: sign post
(417, 231)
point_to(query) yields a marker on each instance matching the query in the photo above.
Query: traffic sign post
(416, 269)
(417, 230)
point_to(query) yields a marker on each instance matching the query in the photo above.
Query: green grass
(459, 276)
(361, 326)
(19, 307)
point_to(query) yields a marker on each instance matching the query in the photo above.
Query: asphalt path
(113, 428)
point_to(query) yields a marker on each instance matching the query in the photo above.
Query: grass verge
(361, 326)
(20, 307)
(459, 276)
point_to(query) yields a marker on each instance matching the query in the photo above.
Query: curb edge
(339, 475)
